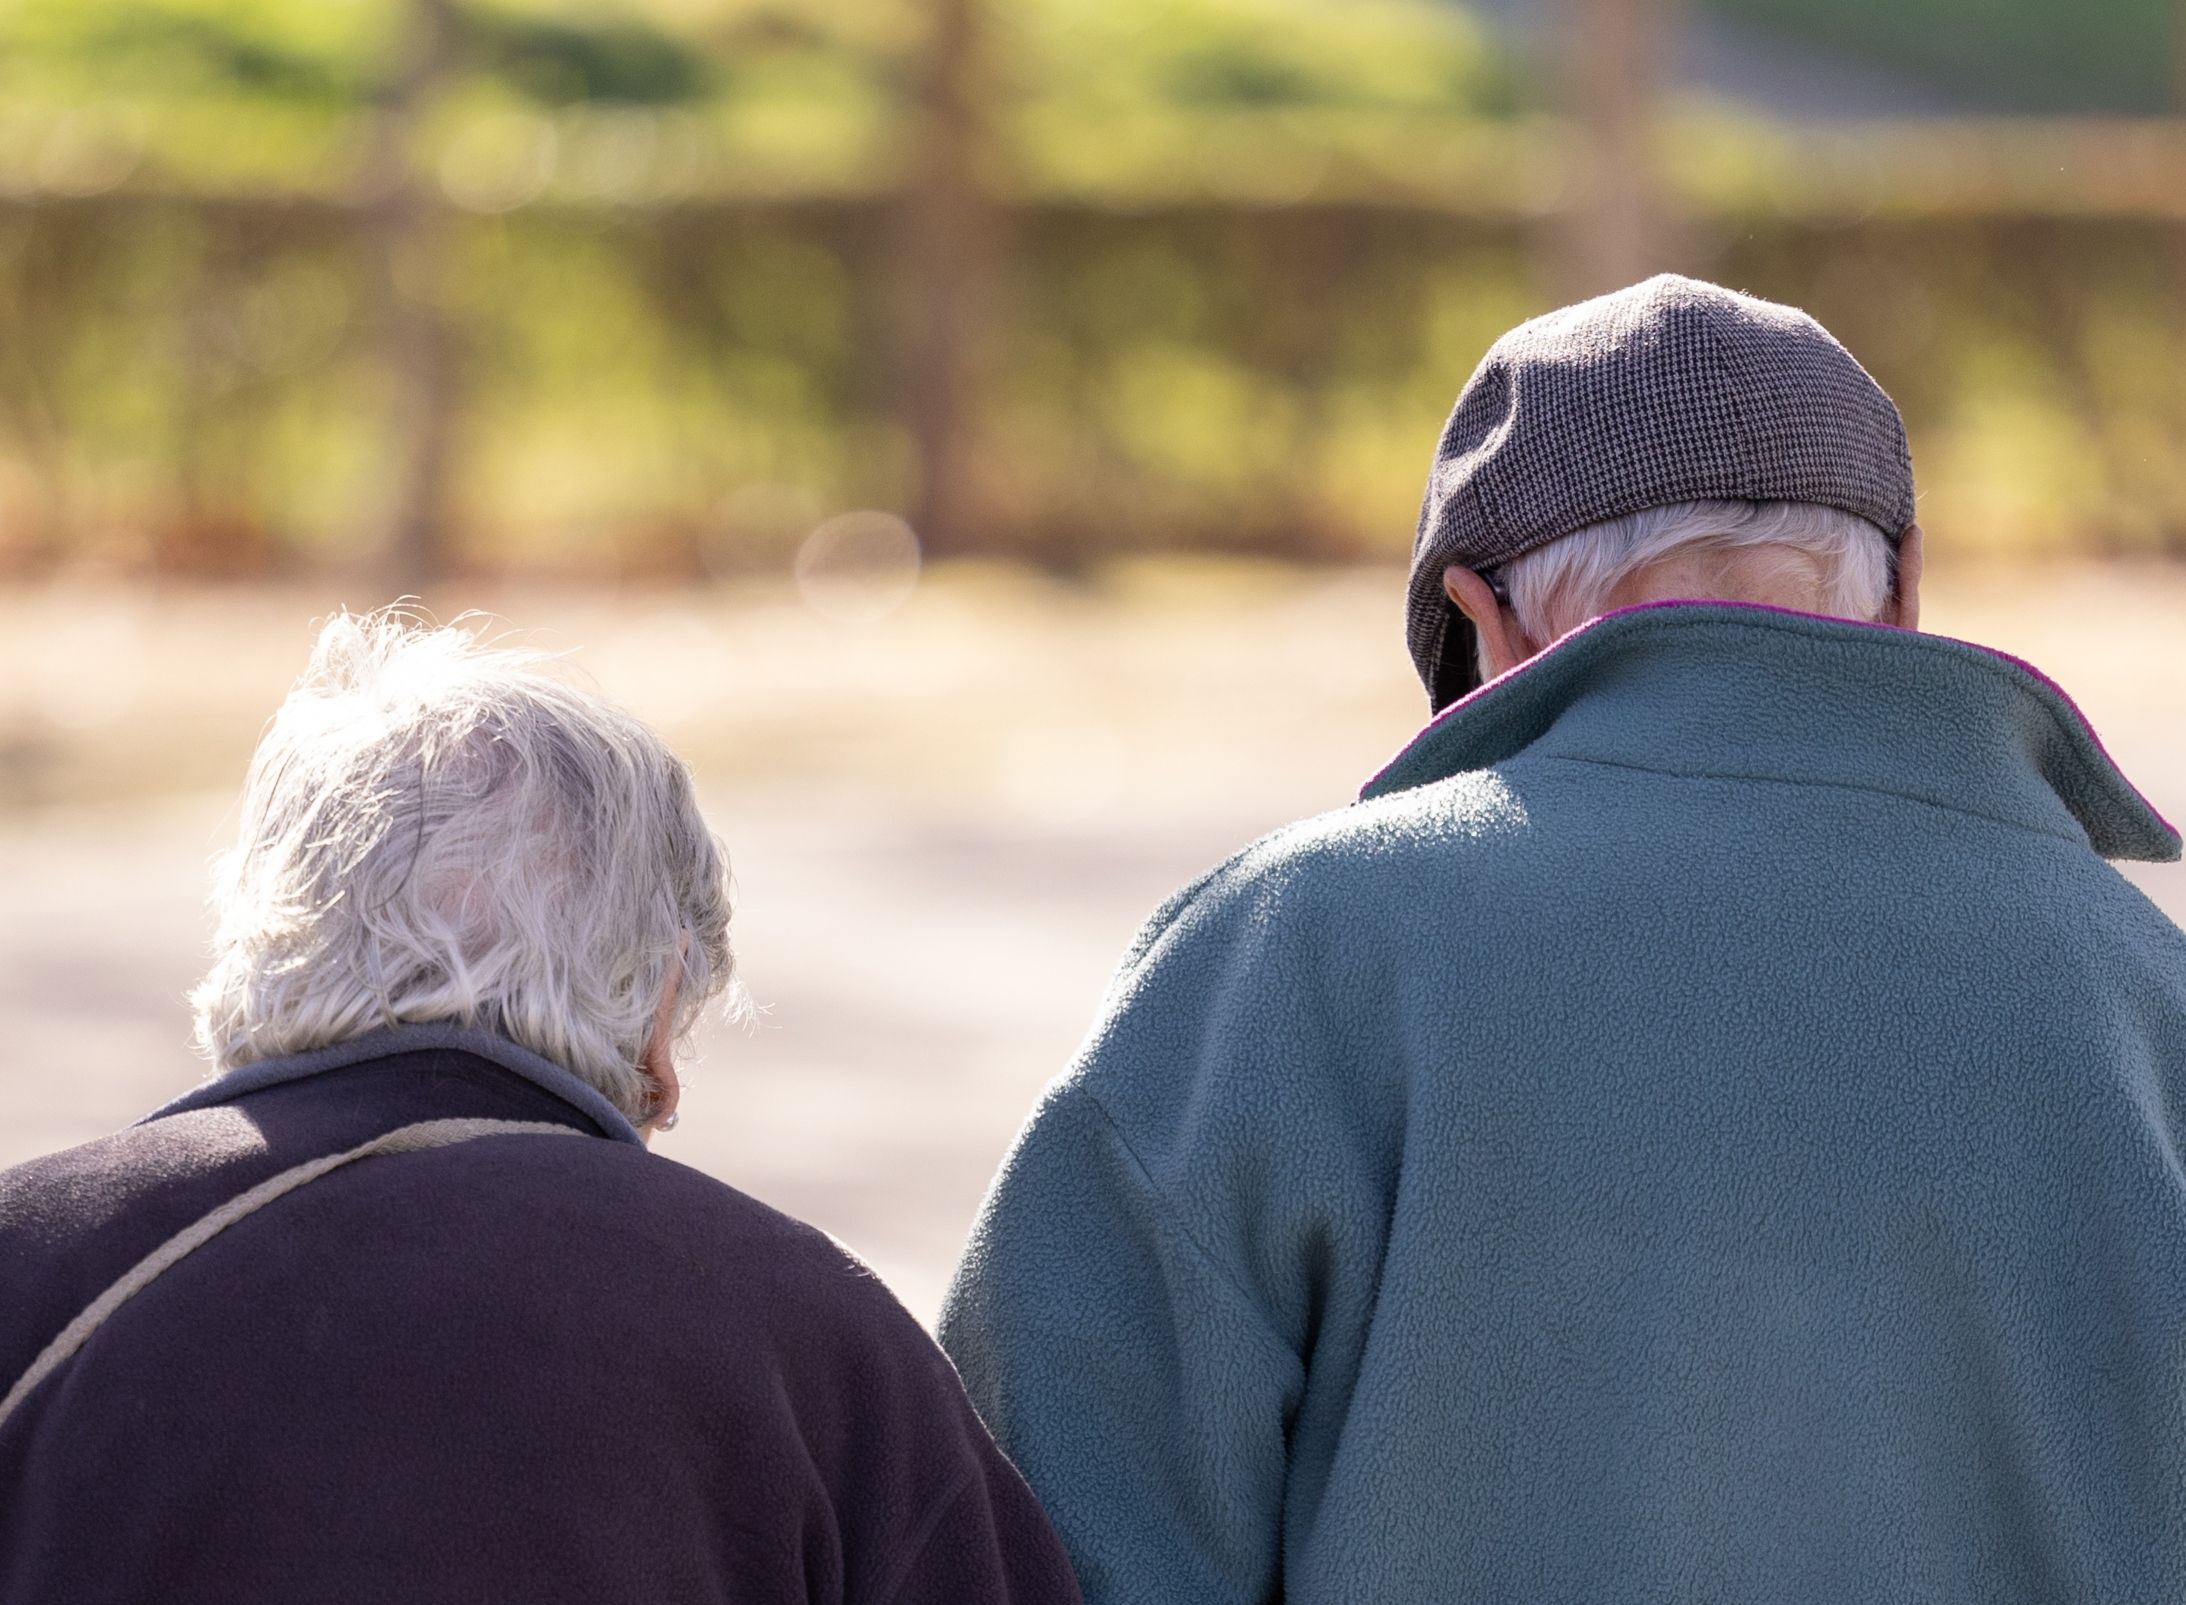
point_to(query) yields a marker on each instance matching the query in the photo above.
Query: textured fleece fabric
(1703, 1128)
(515, 1370)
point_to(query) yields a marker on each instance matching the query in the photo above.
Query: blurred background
(983, 437)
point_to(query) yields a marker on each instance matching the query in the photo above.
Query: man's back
(1702, 1130)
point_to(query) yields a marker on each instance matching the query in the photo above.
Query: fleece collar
(1738, 691)
(544, 1073)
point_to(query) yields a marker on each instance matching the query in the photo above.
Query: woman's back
(509, 1369)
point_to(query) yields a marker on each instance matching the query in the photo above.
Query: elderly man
(398, 1307)
(1700, 1128)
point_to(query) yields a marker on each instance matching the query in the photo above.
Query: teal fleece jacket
(1704, 1126)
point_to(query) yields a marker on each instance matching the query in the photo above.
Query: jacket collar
(261, 1073)
(1766, 693)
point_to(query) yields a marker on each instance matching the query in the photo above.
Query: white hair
(438, 830)
(1558, 587)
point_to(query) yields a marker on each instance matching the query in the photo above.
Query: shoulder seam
(1154, 1189)
(924, 1535)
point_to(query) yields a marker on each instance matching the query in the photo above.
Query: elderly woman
(397, 1306)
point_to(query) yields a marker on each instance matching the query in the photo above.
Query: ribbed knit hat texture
(1672, 390)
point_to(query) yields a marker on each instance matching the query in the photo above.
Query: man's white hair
(438, 830)
(1558, 587)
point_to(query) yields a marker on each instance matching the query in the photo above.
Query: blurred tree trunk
(405, 234)
(952, 249)
(31, 406)
(1616, 59)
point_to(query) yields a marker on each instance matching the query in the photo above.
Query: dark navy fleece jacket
(522, 1369)
(1704, 1127)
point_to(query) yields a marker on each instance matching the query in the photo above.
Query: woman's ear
(1503, 646)
(657, 1062)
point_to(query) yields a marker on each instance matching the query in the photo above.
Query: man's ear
(1503, 645)
(1904, 608)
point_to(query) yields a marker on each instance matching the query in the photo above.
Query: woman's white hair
(1558, 587)
(438, 830)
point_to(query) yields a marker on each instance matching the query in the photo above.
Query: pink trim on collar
(2086, 725)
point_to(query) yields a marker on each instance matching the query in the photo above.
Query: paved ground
(944, 830)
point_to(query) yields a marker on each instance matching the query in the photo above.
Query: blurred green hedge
(691, 391)
(1251, 247)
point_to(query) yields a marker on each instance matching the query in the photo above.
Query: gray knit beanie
(1670, 391)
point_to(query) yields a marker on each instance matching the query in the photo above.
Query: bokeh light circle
(857, 568)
